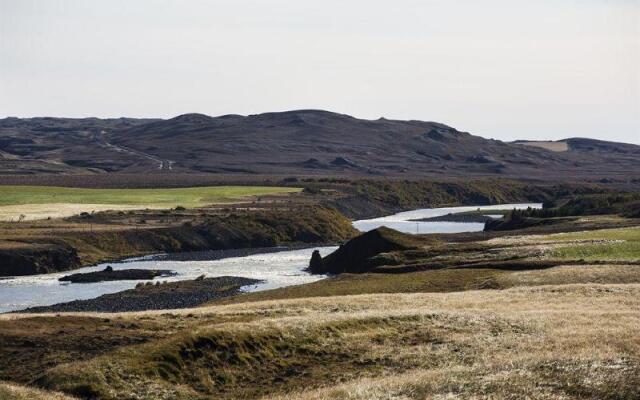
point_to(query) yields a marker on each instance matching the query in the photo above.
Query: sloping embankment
(234, 231)
(371, 199)
(38, 259)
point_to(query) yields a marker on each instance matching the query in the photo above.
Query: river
(276, 269)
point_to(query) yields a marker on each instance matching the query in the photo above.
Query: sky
(505, 69)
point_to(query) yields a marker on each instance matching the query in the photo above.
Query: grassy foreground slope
(540, 342)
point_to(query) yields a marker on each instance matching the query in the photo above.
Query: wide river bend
(276, 269)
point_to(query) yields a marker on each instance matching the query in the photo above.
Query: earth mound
(352, 257)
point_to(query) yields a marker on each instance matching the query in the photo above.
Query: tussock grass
(569, 341)
(571, 274)
(520, 382)
(15, 392)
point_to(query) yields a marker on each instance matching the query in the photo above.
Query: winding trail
(164, 165)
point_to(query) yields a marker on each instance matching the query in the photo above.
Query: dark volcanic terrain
(305, 142)
(159, 296)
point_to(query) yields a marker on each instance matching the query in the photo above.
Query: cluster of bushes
(623, 204)
(515, 219)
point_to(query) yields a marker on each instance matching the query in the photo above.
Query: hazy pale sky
(507, 69)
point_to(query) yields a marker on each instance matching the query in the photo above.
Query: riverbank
(158, 296)
(276, 267)
(471, 216)
(212, 255)
(41, 247)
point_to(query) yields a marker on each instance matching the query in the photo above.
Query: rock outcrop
(354, 255)
(38, 259)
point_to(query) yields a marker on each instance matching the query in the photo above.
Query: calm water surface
(403, 221)
(278, 269)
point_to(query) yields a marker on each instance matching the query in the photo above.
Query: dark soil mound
(353, 255)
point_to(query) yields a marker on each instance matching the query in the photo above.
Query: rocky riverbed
(158, 296)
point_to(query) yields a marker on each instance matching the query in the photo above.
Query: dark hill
(303, 142)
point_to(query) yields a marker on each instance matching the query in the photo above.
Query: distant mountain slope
(65, 145)
(295, 142)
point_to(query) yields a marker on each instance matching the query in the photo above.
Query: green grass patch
(624, 244)
(189, 197)
(604, 251)
(628, 234)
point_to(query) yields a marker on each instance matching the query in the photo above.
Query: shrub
(311, 190)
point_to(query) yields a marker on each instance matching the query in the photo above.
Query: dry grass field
(15, 392)
(555, 341)
(33, 212)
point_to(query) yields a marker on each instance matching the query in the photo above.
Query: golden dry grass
(15, 392)
(33, 212)
(566, 274)
(567, 341)
(552, 342)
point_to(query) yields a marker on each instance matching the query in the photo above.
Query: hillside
(307, 142)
